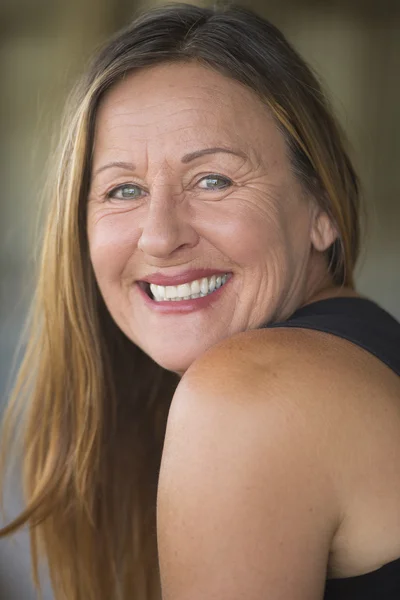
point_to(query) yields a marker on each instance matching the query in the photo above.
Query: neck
(320, 284)
(332, 291)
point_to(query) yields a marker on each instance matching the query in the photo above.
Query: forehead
(184, 102)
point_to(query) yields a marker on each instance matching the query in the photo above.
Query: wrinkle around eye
(100, 212)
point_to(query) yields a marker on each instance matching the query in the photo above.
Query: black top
(364, 323)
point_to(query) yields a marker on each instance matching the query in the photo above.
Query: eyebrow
(121, 165)
(187, 158)
(199, 153)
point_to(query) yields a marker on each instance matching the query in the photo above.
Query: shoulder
(294, 385)
(284, 365)
(316, 383)
(245, 491)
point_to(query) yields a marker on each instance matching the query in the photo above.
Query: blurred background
(44, 44)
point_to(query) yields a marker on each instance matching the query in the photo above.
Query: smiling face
(191, 179)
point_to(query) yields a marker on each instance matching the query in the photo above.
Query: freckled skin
(261, 228)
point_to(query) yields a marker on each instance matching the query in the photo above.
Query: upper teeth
(187, 291)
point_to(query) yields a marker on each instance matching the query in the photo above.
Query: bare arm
(246, 509)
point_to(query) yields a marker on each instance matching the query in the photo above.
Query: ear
(323, 231)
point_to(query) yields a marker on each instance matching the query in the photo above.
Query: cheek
(112, 242)
(247, 234)
(258, 240)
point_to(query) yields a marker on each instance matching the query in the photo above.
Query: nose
(166, 226)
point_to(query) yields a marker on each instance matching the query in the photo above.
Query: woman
(201, 245)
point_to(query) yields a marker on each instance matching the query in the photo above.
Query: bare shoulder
(330, 412)
(272, 376)
(258, 351)
(294, 363)
(247, 506)
(343, 397)
(291, 366)
(287, 384)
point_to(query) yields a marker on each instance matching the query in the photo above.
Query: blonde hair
(94, 406)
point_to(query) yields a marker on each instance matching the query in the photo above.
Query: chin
(177, 360)
(175, 364)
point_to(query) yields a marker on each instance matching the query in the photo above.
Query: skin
(279, 468)
(262, 228)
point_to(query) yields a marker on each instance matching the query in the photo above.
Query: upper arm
(246, 507)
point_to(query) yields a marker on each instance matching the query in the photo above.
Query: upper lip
(180, 278)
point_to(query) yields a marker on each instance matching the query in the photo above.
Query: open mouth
(186, 291)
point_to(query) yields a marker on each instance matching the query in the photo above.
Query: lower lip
(182, 306)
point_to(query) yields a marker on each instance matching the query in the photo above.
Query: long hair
(90, 406)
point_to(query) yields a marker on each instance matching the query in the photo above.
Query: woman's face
(192, 192)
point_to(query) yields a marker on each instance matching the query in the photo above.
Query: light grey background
(355, 46)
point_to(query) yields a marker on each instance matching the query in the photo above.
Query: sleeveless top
(367, 325)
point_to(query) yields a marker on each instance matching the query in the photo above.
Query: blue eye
(128, 191)
(214, 182)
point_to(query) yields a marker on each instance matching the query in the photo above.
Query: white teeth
(171, 291)
(187, 291)
(154, 290)
(184, 290)
(195, 287)
(204, 286)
